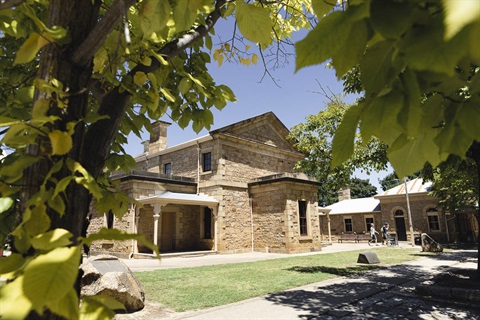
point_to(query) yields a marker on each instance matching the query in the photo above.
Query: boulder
(107, 275)
(430, 245)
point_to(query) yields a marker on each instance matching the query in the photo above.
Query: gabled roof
(361, 205)
(414, 187)
(265, 129)
(243, 123)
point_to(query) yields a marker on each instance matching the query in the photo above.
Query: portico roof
(168, 197)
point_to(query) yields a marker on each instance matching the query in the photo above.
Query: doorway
(400, 226)
(168, 232)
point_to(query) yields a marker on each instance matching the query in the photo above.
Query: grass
(203, 287)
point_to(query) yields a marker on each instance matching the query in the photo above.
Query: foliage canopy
(418, 63)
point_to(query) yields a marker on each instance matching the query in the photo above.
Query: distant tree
(362, 188)
(359, 188)
(455, 182)
(314, 139)
(389, 181)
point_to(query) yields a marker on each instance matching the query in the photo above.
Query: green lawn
(203, 287)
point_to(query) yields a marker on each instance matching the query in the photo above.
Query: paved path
(387, 293)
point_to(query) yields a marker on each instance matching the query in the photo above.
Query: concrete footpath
(386, 293)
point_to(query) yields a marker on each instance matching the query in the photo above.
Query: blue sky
(292, 97)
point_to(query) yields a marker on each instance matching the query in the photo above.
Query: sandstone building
(233, 190)
(350, 216)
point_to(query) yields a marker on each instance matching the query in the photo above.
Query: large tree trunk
(475, 154)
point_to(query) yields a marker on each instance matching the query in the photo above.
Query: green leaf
(113, 234)
(185, 85)
(411, 117)
(61, 142)
(446, 55)
(109, 302)
(380, 118)
(254, 23)
(322, 7)
(167, 94)
(92, 309)
(30, 48)
(67, 307)
(409, 154)
(139, 78)
(376, 67)
(40, 221)
(12, 263)
(390, 18)
(154, 16)
(343, 141)
(62, 185)
(468, 117)
(14, 303)
(350, 57)
(328, 37)
(5, 204)
(185, 14)
(7, 122)
(52, 239)
(51, 276)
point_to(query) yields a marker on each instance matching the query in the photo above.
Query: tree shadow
(343, 272)
(377, 292)
(457, 255)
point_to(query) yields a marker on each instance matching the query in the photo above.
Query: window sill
(305, 238)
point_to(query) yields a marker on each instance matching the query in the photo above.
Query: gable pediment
(265, 129)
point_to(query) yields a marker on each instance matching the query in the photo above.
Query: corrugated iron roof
(413, 186)
(362, 205)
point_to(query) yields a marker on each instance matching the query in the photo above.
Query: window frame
(345, 224)
(433, 213)
(169, 165)
(207, 156)
(303, 228)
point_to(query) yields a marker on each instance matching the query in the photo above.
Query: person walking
(373, 234)
(384, 230)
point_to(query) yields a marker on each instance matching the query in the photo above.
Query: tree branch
(6, 4)
(114, 103)
(85, 52)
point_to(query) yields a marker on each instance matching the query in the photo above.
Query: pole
(412, 237)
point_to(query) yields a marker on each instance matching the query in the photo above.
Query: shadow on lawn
(343, 272)
(379, 292)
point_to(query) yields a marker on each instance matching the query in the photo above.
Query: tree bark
(475, 155)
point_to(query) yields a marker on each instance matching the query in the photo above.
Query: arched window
(399, 213)
(433, 220)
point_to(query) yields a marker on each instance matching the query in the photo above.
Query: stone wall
(244, 163)
(276, 217)
(133, 188)
(359, 226)
(234, 234)
(418, 208)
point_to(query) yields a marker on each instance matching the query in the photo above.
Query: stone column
(329, 228)
(215, 227)
(132, 212)
(157, 210)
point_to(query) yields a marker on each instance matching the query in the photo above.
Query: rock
(430, 245)
(108, 276)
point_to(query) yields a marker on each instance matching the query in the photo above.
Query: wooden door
(167, 234)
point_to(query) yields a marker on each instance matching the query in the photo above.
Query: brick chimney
(158, 138)
(344, 194)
